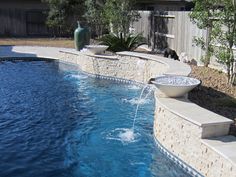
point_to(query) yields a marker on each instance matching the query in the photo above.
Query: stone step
(225, 146)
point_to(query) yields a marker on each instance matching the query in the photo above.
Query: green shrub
(120, 43)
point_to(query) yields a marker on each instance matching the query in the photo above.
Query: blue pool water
(61, 123)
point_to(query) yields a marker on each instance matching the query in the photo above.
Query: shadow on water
(215, 101)
(7, 51)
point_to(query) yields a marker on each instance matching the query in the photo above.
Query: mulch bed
(214, 93)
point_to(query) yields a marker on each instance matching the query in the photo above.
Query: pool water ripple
(58, 122)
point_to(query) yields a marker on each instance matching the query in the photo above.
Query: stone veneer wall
(124, 67)
(179, 136)
(183, 138)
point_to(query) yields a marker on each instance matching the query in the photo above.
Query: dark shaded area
(215, 101)
(27, 18)
(164, 5)
(161, 29)
(32, 23)
(172, 53)
(151, 34)
(158, 29)
(7, 53)
(189, 6)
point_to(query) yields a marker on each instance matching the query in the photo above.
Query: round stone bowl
(96, 49)
(175, 86)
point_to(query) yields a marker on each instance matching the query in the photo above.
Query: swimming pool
(56, 122)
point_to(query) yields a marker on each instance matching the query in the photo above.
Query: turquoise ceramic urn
(81, 37)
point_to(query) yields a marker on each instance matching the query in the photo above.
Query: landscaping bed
(214, 93)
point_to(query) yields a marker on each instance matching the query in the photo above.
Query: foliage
(120, 43)
(225, 36)
(114, 15)
(63, 14)
(94, 15)
(201, 42)
(202, 15)
(120, 14)
(219, 18)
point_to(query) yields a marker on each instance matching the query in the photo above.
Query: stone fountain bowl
(175, 86)
(96, 49)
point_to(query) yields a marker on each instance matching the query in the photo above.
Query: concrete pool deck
(193, 134)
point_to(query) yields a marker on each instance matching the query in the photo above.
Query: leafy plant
(218, 17)
(202, 16)
(63, 15)
(94, 15)
(121, 43)
(225, 37)
(115, 15)
(120, 14)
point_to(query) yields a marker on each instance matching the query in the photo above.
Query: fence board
(18, 22)
(177, 31)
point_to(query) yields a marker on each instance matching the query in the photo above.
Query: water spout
(137, 107)
(128, 135)
(150, 80)
(139, 100)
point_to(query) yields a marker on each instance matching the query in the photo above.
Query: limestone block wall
(183, 138)
(125, 67)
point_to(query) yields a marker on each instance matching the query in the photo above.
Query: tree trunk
(111, 27)
(233, 63)
(208, 52)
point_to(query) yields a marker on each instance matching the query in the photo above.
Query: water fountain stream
(129, 134)
(138, 104)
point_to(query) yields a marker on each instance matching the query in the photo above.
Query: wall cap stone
(192, 112)
(225, 146)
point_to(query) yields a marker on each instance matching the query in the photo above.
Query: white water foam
(75, 76)
(137, 163)
(135, 101)
(78, 76)
(133, 87)
(127, 136)
(123, 135)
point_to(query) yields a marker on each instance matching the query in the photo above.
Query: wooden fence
(20, 22)
(170, 29)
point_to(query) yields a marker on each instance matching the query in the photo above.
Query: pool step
(224, 145)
